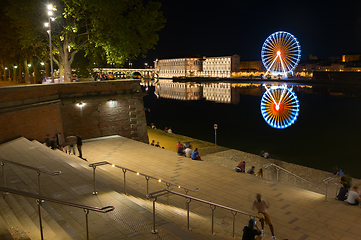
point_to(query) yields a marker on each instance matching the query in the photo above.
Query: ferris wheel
(281, 52)
(279, 106)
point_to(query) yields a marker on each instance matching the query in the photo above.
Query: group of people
(166, 129)
(54, 144)
(348, 193)
(265, 154)
(241, 167)
(186, 150)
(100, 76)
(249, 232)
(155, 144)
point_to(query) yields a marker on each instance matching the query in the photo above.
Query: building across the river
(197, 67)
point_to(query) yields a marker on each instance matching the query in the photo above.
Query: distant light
(50, 7)
(137, 173)
(42, 64)
(29, 65)
(159, 180)
(15, 66)
(113, 165)
(278, 52)
(6, 68)
(46, 24)
(80, 104)
(52, 19)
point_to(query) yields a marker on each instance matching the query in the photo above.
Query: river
(327, 131)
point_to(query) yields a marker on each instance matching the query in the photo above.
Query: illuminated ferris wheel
(279, 106)
(281, 52)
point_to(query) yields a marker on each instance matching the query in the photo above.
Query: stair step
(11, 222)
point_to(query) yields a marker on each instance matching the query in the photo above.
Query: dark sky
(224, 27)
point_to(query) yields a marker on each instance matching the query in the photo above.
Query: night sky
(225, 27)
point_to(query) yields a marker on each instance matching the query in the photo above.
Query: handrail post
(213, 208)
(277, 173)
(125, 183)
(94, 191)
(86, 223)
(154, 200)
(3, 169)
(326, 192)
(147, 178)
(266, 174)
(188, 200)
(168, 185)
(234, 221)
(38, 201)
(39, 182)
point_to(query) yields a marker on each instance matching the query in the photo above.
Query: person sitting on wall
(241, 167)
(335, 170)
(260, 173)
(179, 144)
(181, 151)
(266, 155)
(170, 130)
(166, 129)
(157, 145)
(251, 171)
(341, 172)
(152, 143)
(188, 152)
(195, 155)
(262, 153)
(153, 126)
(346, 184)
(353, 198)
(187, 145)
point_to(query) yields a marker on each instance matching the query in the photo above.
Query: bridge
(129, 73)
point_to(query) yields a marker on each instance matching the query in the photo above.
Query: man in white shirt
(353, 198)
(188, 152)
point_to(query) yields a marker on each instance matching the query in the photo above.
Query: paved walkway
(297, 214)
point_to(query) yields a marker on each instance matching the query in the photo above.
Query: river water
(327, 131)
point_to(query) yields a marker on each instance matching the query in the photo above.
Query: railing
(329, 180)
(39, 171)
(40, 199)
(147, 177)
(278, 168)
(153, 196)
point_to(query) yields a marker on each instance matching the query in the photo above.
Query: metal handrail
(40, 199)
(153, 196)
(30, 167)
(288, 172)
(147, 177)
(38, 171)
(326, 181)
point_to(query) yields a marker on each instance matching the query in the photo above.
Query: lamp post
(146, 65)
(48, 24)
(130, 65)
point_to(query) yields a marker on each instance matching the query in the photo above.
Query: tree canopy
(115, 30)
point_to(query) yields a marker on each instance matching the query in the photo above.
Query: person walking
(79, 144)
(71, 141)
(260, 205)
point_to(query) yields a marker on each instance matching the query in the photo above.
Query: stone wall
(108, 108)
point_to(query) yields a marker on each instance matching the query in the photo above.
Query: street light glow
(42, 64)
(50, 7)
(15, 66)
(50, 13)
(29, 65)
(46, 24)
(6, 68)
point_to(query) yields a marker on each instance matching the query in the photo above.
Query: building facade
(220, 66)
(221, 92)
(178, 67)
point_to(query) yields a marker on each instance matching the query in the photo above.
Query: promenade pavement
(297, 214)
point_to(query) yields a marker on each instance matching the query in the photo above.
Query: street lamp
(146, 64)
(215, 134)
(130, 65)
(48, 25)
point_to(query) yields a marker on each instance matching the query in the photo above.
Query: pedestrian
(260, 205)
(241, 167)
(71, 141)
(251, 171)
(79, 144)
(47, 140)
(249, 233)
(260, 173)
(53, 143)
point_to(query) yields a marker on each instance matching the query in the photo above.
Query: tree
(118, 30)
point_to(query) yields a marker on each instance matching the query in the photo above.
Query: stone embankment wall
(108, 108)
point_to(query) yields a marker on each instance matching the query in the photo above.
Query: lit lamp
(51, 10)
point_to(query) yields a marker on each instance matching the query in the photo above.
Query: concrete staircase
(132, 217)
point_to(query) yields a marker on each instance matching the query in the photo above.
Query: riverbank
(230, 158)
